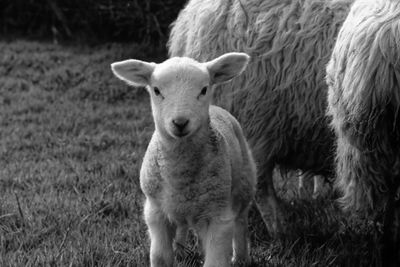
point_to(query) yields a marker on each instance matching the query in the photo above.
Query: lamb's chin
(179, 135)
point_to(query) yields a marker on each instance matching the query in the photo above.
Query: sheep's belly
(195, 204)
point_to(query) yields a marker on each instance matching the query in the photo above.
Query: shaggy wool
(281, 98)
(364, 101)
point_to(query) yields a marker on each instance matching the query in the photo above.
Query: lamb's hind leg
(241, 255)
(268, 203)
(161, 235)
(180, 241)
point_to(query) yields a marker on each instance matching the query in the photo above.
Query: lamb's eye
(204, 90)
(156, 91)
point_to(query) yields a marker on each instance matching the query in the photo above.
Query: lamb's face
(180, 95)
(180, 88)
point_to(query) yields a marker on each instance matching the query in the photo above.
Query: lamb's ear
(132, 71)
(227, 66)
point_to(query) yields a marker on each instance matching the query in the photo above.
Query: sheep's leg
(391, 234)
(161, 235)
(268, 203)
(241, 255)
(317, 179)
(302, 190)
(217, 242)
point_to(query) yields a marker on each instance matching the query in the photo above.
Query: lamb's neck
(182, 162)
(193, 145)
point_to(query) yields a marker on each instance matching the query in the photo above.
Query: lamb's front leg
(217, 242)
(241, 255)
(161, 235)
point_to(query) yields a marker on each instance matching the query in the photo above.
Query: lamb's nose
(180, 123)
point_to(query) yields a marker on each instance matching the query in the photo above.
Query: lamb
(363, 75)
(283, 115)
(198, 170)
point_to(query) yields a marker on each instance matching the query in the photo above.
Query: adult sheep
(280, 100)
(364, 101)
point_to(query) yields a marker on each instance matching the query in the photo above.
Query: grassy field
(71, 142)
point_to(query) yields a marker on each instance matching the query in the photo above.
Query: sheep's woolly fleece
(280, 99)
(364, 100)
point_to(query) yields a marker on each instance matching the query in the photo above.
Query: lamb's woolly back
(364, 101)
(281, 97)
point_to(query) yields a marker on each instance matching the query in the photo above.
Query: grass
(71, 142)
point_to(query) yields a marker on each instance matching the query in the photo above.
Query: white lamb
(198, 170)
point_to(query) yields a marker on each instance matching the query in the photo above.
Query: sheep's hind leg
(391, 232)
(302, 189)
(161, 235)
(241, 255)
(318, 180)
(268, 203)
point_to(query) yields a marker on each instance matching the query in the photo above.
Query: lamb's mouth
(181, 134)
